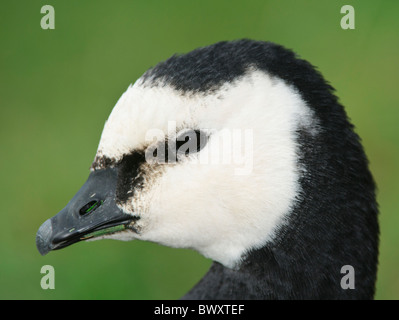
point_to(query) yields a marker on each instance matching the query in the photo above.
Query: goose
(241, 151)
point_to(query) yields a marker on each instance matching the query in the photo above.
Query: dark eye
(190, 141)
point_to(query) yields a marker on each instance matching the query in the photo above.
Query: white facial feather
(208, 206)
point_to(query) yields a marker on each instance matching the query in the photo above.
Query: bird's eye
(190, 141)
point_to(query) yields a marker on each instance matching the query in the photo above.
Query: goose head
(241, 151)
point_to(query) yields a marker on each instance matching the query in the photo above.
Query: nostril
(90, 207)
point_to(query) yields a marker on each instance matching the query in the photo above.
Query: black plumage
(334, 222)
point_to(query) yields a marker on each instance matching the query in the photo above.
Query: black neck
(278, 274)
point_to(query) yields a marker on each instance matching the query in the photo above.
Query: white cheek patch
(229, 147)
(220, 208)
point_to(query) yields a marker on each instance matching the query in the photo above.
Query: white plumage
(209, 207)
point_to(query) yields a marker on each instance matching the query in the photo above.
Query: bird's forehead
(253, 101)
(144, 108)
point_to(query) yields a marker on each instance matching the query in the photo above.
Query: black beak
(91, 213)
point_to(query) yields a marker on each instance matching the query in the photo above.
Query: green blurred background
(57, 88)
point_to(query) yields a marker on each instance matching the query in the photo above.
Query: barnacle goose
(280, 222)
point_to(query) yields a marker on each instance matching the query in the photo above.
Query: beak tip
(43, 237)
